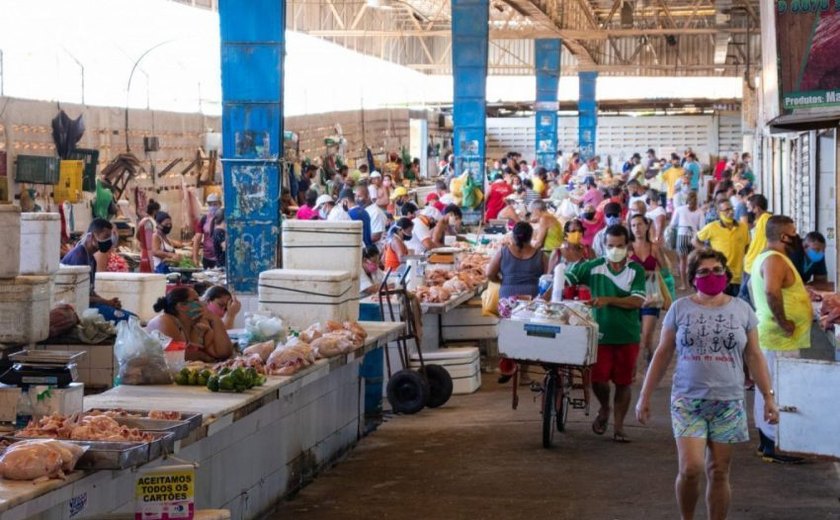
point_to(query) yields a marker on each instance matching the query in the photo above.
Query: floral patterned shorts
(724, 422)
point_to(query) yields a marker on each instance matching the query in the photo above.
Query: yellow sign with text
(165, 493)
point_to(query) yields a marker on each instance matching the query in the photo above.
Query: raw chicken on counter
(317, 341)
(433, 294)
(39, 460)
(161, 415)
(83, 428)
(288, 359)
(264, 349)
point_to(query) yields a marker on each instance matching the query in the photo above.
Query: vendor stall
(274, 438)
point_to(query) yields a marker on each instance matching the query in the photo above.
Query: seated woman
(395, 248)
(372, 276)
(163, 247)
(223, 304)
(183, 318)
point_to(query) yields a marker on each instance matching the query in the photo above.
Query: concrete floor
(478, 458)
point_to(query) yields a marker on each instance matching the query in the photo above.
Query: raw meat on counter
(83, 428)
(254, 361)
(288, 359)
(433, 294)
(264, 349)
(153, 414)
(40, 459)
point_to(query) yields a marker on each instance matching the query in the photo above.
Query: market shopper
(784, 316)
(548, 231)
(517, 267)
(650, 256)
(757, 212)
(164, 248)
(687, 221)
(730, 238)
(203, 252)
(183, 317)
(396, 249)
(371, 276)
(145, 232)
(617, 286)
(612, 217)
(708, 410)
(354, 204)
(573, 249)
(222, 303)
(307, 210)
(498, 192)
(814, 270)
(99, 237)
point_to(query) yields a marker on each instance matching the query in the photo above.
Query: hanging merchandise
(103, 201)
(66, 133)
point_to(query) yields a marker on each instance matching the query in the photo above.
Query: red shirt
(307, 213)
(496, 198)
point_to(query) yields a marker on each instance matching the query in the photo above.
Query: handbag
(653, 290)
(490, 300)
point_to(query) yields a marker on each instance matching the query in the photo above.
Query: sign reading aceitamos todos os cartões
(808, 45)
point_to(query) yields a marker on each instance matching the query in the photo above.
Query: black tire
(408, 392)
(440, 385)
(563, 400)
(549, 410)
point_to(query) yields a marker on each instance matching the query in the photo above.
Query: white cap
(213, 197)
(374, 174)
(323, 199)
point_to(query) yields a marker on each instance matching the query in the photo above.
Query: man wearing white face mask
(618, 292)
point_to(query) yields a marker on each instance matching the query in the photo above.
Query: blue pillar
(547, 60)
(587, 114)
(470, 32)
(253, 47)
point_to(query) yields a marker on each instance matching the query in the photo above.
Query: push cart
(563, 340)
(410, 391)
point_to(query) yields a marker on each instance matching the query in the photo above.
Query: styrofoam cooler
(10, 231)
(40, 243)
(71, 284)
(463, 365)
(24, 309)
(466, 322)
(320, 244)
(138, 292)
(302, 297)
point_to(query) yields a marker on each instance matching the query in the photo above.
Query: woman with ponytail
(517, 267)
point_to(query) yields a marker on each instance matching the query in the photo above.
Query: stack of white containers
(28, 262)
(137, 292)
(325, 245)
(71, 285)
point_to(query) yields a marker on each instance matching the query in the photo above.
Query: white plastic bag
(263, 328)
(567, 209)
(139, 356)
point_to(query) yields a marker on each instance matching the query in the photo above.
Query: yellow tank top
(797, 306)
(554, 237)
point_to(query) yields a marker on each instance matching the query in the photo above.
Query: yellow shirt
(672, 175)
(797, 306)
(758, 242)
(539, 185)
(732, 242)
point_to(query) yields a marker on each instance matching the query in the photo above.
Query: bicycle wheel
(549, 408)
(564, 397)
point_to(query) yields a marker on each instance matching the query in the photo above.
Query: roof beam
(540, 17)
(506, 34)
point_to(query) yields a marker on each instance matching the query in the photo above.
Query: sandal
(621, 438)
(599, 425)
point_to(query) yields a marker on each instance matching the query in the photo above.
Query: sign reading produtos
(165, 493)
(808, 42)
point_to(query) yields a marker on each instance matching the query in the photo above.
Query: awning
(801, 122)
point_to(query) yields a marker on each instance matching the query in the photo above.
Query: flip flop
(621, 438)
(599, 425)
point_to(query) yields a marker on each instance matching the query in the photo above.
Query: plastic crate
(38, 169)
(69, 181)
(90, 158)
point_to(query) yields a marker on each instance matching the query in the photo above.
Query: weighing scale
(42, 367)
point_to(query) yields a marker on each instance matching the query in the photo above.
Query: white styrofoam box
(71, 284)
(10, 231)
(466, 322)
(40, 243)
(138, 292)
(333, 246)
(82, 216)
(9, 396)
(24, 309)
(463, 365)
(64, 401)
(548, 342)
(302, 297)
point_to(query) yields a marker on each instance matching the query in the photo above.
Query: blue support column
(470, 32)
(253, 47)
(587, 114)
(547, 60)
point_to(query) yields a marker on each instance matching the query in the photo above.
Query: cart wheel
(549, 409)
(440, 385)
(563, 398)
(408, 392)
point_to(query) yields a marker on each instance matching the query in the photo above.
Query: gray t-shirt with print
(710, 344)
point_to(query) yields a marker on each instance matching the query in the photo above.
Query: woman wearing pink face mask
(222, 304)
(712, 335)
(372, 275)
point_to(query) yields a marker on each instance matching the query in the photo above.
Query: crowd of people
(636, 237)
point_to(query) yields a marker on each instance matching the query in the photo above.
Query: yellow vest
(797, 305)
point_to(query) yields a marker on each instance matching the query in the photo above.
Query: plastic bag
(139, 356)
(653, 291)
(264, 328)
(490, 300)
(93, 328)
(567, 210)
